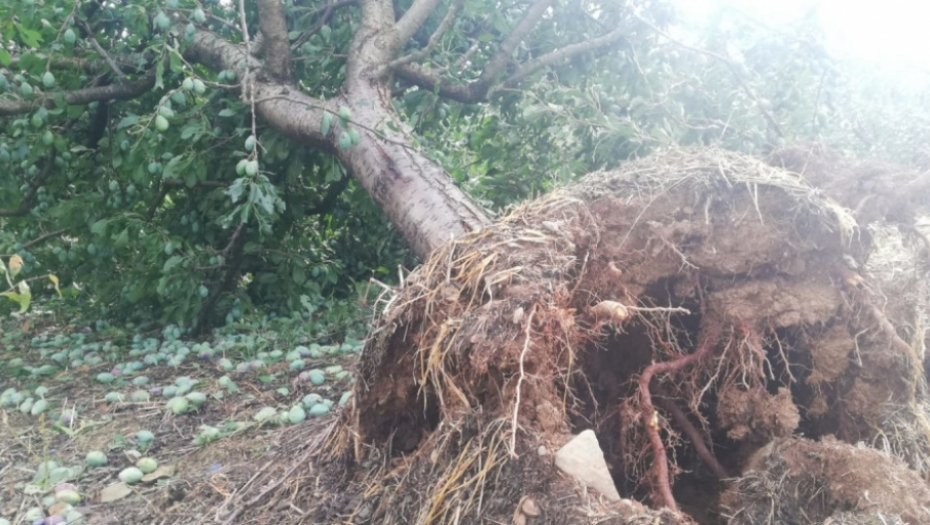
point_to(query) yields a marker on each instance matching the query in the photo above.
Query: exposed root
(662, 484)
(697, 440)
(575, 311)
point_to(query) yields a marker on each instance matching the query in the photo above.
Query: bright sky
(890, 33)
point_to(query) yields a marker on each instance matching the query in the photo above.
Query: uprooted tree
(730, 333)
(182, 161)
(743, 348)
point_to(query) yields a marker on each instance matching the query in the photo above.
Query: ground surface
(204, 454)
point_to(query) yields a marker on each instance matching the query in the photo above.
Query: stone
(583, 459)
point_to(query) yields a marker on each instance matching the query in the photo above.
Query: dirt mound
(691, 308)
(795, 480)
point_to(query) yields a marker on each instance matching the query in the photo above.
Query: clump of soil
(796, 480)
(692, 308)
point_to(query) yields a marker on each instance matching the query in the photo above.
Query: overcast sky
(891, 33)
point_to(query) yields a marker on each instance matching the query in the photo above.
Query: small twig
(40, 239)
(102, 52)
(516, 406)
(730, 65)
(433, 39)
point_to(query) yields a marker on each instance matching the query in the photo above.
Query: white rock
(583, 459)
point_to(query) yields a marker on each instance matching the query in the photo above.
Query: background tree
(183, 160)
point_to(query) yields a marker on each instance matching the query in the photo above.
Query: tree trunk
(417, 195)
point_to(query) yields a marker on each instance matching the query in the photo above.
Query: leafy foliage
(173, 203)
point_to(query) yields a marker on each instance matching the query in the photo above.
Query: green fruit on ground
(319, 409)
(130, 475)
(178, 405)
(147, 465)
(96, 459)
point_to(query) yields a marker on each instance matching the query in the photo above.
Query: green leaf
(5, 57)
(99, 228)
(127, 121)
(172, 263)
(23, 299)
(30, 37)
(122, 239)
(177, 165)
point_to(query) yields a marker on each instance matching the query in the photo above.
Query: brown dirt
(799, 481)
(689, 308)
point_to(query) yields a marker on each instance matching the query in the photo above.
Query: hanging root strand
(662, 483)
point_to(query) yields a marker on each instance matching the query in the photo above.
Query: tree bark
(416, 194)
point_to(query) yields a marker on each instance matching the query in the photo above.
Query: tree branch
(433, 39)
(277, 52)
(25, 205)
(730, 65)
(80, 97)
(429, 79)
(58, 62)
(531, 66)
(477, 91)
(332, 195)
(414, 17)
(202, 183)
(232, 260)
(289, 110)
(40, 239)
(102, 52)
(499, 61)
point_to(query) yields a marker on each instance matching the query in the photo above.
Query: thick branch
(530, 67)
(414, 18)
(332, 195)
(505, 53)
(277, 52)
(479, 90)
(430, 80)
(80, 97)
(284, 106)
(433, 39)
